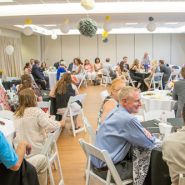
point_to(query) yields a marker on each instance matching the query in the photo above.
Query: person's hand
(62, 123)
(147, 133)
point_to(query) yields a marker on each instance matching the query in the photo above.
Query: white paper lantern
(9, 50)
(54, 36)
(107, 26)
(88, 4)
(28, 31)
(65, 28)
(151, 26)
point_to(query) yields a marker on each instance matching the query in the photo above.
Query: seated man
(13, 166)
(38, 75)
(173, 150)
(119, 131)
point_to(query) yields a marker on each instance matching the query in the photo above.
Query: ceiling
(119, 19)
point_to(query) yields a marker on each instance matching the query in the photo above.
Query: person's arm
(22, 148)
(136, 134)
(107, 107)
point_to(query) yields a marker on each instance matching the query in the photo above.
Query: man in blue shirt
(119, 131)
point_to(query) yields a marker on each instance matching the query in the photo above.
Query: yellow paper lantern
(105, 34)
(28, 21)
(107, 18)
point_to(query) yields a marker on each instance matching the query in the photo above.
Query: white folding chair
(83, 80)
(69, 112)
(51, 152)
(44, 105)
(104, 94)
(175, 75)
(157, 80)
(102, 155)
(90, 130)
(181, 179)
(130, 81)
(106, 79)
(6, 114)
(157, 114)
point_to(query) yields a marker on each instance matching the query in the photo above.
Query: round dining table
(157, 100)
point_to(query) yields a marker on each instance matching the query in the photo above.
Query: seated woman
(111, 101)
(4, 98)
(91, 75)
(133, 70)
(27, 68)
(63, 90)
(154, 69)
(26, 82)
(61, 69)
(31, 123)
(79, 69)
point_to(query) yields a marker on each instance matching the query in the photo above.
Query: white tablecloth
(155, 100)
(8, 129)
(52, 78)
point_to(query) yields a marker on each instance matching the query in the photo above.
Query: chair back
(157, 114)
(90, 130)
(83, 80)
(104, 94)
(44, 105)
(130, 81)
(6, 114)
(157, 80)
(102, 155)
(181, 179)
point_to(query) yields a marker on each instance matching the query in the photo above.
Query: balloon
(28, 30)
(151, 26)
(54, 36)
(105, 40)
(9, 50)
(65, 28)
(88, 4)
(107, 27)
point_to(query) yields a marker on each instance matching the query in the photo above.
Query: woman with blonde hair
(111, 101)
(154, 69)
(31, 123)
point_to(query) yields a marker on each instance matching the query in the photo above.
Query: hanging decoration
(64, 28)
(9, 50)
(87, 4)
(28, 29)
(105, 40)
(105, 35)
(107, 26)
(87, 27)
(54, 36)
(151, 26)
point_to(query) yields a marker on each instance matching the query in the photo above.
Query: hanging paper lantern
(28, 21)
(9, 50)
(151, 26)
(64, 28)
(88, 4)
(28, 30)
(105, 34)
(54, 36)
(107, 27)
(87, 27)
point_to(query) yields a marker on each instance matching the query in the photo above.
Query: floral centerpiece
(170, 85)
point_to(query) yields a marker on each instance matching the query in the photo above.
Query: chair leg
(52, 182)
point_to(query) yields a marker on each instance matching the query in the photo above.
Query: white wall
(170, 47)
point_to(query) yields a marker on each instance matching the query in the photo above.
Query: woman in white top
(79, 69)
(32, 123)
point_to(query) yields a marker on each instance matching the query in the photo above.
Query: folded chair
(103, 155)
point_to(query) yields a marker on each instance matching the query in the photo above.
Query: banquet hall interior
(88, 47)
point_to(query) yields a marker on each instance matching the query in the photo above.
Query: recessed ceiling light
(131, 23)
(6, 1)
(171, 23)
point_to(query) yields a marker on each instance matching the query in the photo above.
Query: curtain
(11, 65)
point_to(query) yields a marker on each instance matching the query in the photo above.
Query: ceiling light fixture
(171, 23)
(131, 23)
(151, 26)
(6, 1)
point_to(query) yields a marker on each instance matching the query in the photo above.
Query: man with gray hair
(119, 131)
